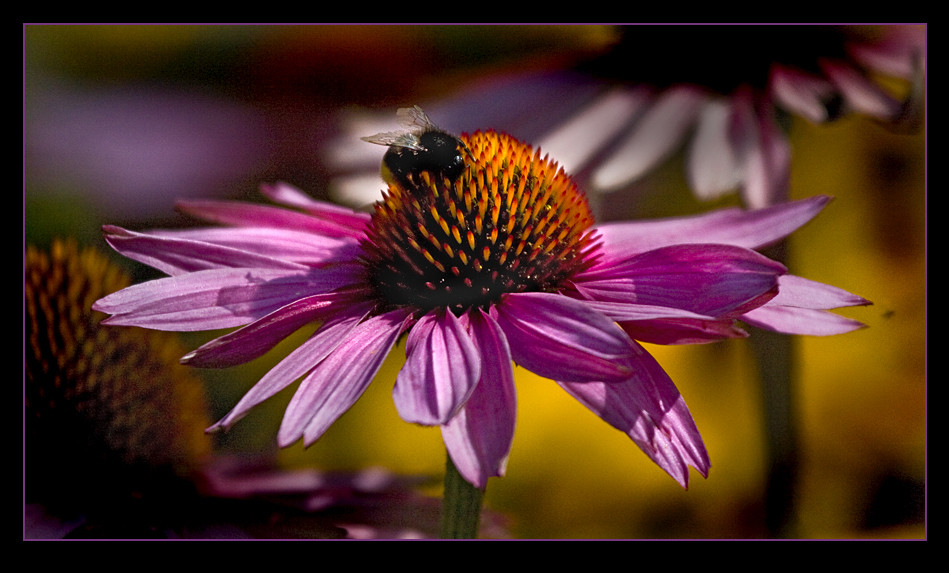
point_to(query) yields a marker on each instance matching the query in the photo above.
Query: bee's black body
(420, 147)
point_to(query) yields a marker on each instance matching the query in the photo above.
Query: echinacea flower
(719, 94)
(84, 405)
(93, 447)
(502, 264)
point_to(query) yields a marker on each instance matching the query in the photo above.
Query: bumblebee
(419, 146)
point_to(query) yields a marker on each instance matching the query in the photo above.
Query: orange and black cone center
(513, 221)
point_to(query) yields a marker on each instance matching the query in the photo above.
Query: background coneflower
(110, 415)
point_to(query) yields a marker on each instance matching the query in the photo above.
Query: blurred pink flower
(721, 93)
(369, 504)
(502, 265)
(124, 148)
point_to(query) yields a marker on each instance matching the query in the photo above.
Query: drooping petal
(649, 409)
(713, 168)
(216, 298)
(286, 244)
(804, 94)
(442, 367)
(711, 280)
(795, 320)
(575, 142)
(801, 308)
(297, 363)
(862, 94)
(180, 255)
(479, 438)
(804, 293)
(562, 338)
(895, 53)
(767, 164)
(340, 379)
(656, 135)
(253, 340)
(751, 229)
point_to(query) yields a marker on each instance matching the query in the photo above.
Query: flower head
(726, 101)
(499, 264)
(85, 405)
(719, 94)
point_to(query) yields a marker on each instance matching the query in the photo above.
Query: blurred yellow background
(861, 396)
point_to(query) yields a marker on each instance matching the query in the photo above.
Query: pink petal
(656, 135)
(341, 378)
(297, 363)
(711, 280)
(625, 311)
(442, 366)
(713, 168)
(255, 339)
(895, 52)
(240, 214)
(861, 93)
(767, 163)
(794, 320)
(479, 438)
(804, 293)
(216, 298)
(561, 338)
(648, 407)
(751, 229)
(799, 308)
(802, 94)
(292, 197)
(179, 255)
(299, 247)
(582, 136)
(682, 331)
(662, 324)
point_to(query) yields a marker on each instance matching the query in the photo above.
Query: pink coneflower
(721, 95)
(500, 264)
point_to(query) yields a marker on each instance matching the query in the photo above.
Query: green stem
(774, 354)
(461, 505)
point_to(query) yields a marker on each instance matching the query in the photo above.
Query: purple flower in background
(721, 94)
(501, 264)
(125, 147)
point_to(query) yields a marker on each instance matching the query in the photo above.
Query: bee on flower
(483, 266)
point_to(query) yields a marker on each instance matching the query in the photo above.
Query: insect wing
(414, 123)
(415, 120)
(399, 138)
